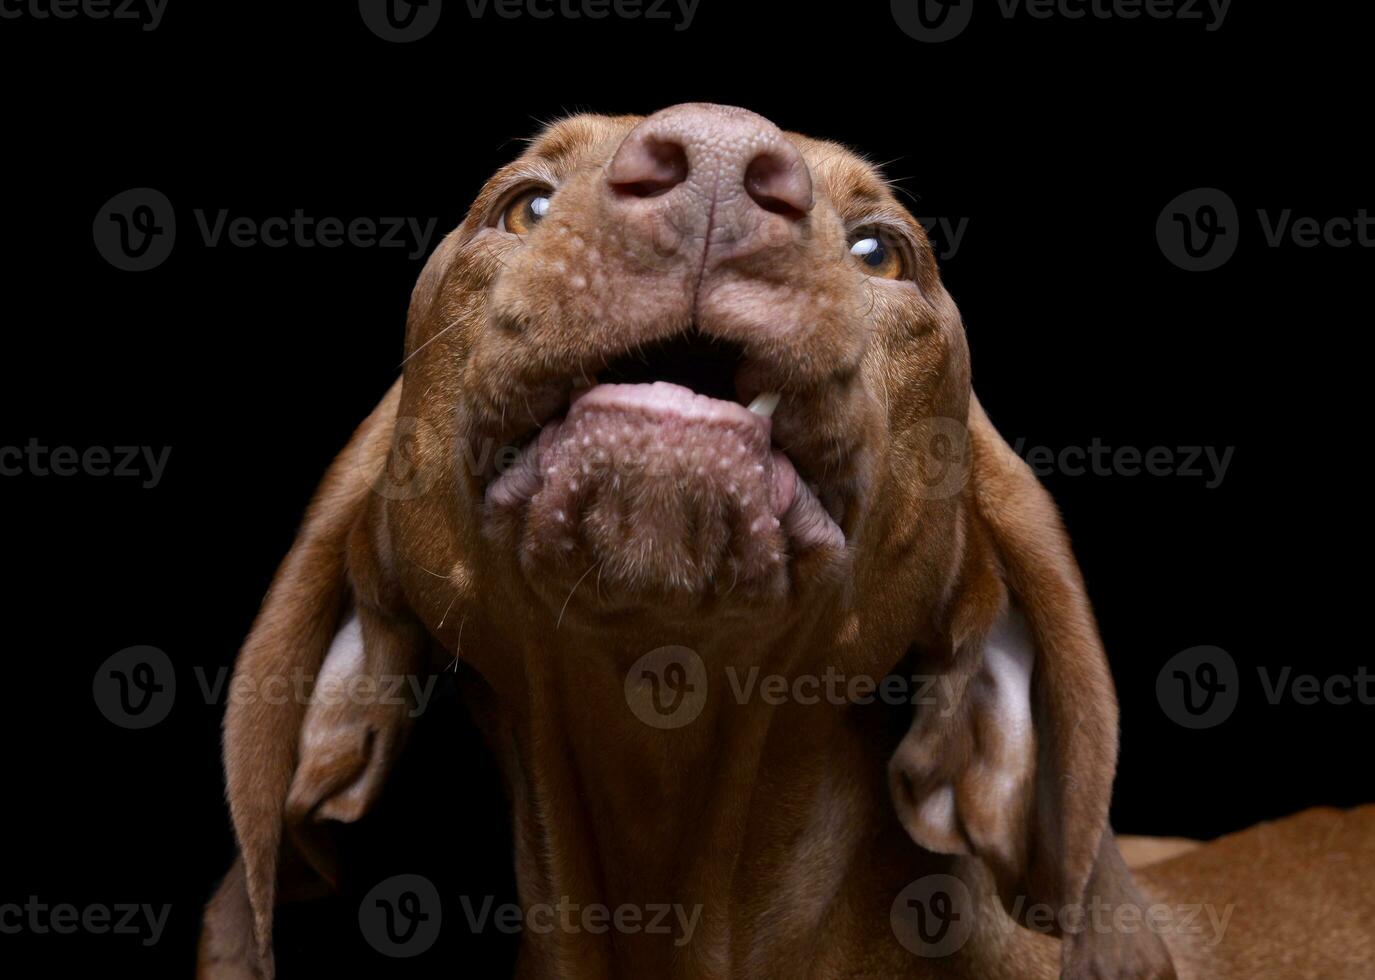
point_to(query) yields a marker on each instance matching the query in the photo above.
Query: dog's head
(690, 376)
(689, 356)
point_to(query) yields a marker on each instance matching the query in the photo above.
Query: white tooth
(765, 404)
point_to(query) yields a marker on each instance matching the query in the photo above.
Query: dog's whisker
(559, 621)
(446, 611)
(735, 577)
(496, 256)
(458, 647)
(429, 342)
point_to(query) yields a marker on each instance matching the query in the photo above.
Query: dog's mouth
(661, 468)
(690, 360)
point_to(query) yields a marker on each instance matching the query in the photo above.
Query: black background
(1060, 141)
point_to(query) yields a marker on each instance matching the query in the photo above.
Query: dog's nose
(713, 173)
(721, 148)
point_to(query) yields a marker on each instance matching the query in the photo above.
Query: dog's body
(874, 524)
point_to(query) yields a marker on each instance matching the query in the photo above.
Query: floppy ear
(300, 745)
(1017, 767)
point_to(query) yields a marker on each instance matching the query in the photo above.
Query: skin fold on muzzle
(684, 465)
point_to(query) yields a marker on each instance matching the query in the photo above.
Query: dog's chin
(653, 497)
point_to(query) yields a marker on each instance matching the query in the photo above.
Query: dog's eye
(878, 252)
(525, 211)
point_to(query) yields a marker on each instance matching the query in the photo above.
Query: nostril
(648, 167)
(779, 182)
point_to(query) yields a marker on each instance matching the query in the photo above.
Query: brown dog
(665, 589)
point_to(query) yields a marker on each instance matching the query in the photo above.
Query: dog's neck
(745, 825)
